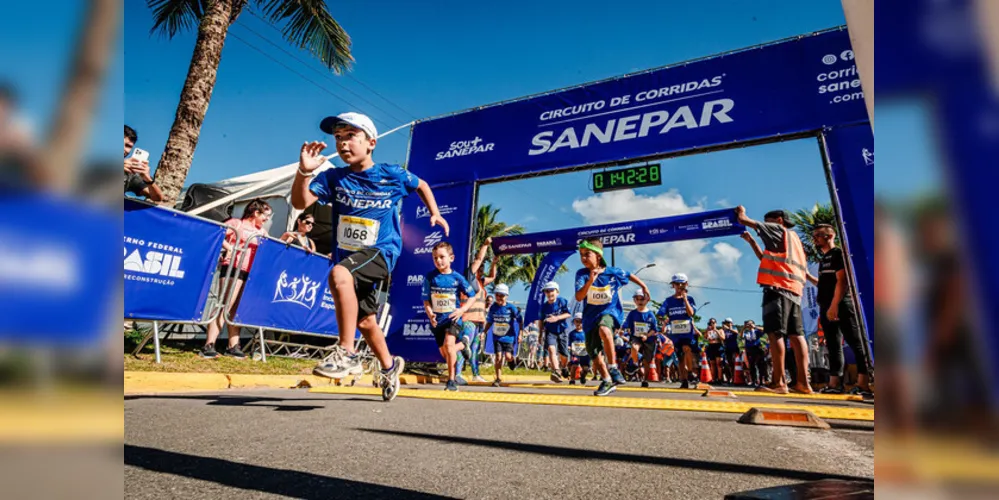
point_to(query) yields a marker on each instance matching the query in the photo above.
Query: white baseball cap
(578, 316)
(353, 119)
(502, 289)
(727, 320)
(551, 285)
(678, 278)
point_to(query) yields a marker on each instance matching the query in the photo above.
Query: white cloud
(724, 203)
(705, 262)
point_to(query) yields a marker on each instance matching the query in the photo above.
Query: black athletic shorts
(501, 347)
(647, 348)
(240, 274)
(781, 316)
(714, 351)
(369, 270)
(442, 330)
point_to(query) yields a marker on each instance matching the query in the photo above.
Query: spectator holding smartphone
(300, 238)
(138, 181)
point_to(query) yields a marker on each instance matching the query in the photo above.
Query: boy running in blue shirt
(441, 288)
(577, 347)
(598, 285)
(554, 312)
(678, 310)
(365, 198)
(503, 319)
(642, 325)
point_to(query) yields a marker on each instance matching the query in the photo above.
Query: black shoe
(831, 390)
(208, 352)
(645, 384)
(565, 373)
(235, 352)
(572, 382)
(684, 385)
(496, 383)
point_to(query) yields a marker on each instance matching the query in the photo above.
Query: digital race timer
(631, 177)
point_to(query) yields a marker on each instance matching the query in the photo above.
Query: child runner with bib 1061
(597, 286)
(365, 199)
(642, 325)
(440, 301)
(503, 319)
(678, 310)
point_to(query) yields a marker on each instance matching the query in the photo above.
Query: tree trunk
(194, 98)
(72, 122)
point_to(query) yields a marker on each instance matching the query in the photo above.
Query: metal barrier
(280, 348)
(209, 313)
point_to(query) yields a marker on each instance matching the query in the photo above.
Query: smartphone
(140, 155)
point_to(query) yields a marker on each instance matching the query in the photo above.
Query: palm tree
(805, 221)
(487, 225)
(307, 25)
(527, 267)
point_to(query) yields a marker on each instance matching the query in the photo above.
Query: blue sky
(456, 55)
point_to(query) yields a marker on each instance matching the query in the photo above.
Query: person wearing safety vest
(782, 275)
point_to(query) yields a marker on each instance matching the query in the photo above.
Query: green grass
(186, 361)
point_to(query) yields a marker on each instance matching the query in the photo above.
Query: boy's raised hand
(311, 158)
(438, 220)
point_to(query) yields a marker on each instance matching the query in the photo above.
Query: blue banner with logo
(170, 258)
(851, 154)
(288, 289)
(57, 288)
(788, 87)
(409, 335)
(699, 225)
(546, 272)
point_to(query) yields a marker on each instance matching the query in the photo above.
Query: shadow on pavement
(558, 451)
(284, 482)
(261, 402)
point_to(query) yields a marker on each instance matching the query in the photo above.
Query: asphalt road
(271, 443)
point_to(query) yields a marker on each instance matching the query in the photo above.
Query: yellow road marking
(829, 397)
(865, 414)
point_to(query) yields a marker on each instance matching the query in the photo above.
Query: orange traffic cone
(705, 369)
(740, 375)
(653, 375)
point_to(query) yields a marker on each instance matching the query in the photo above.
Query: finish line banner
(696, 226)
(783, 88)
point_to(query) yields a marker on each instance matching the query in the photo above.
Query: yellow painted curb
(159, 382)
(61, 418)
(700, 405)
(828, 397)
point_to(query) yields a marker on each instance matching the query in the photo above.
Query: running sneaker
(606, 387)
(831, 390)
(390, 379)
(565, 373)
(556, 377)
(338, 364)
(208, 352)
(684, 385)
(645, 384)
(572, 382)
(467, 351)
(616, 376)
(458, 379)
(857, 391)
(452, 386)
(235, 352)
(478, 378)
(496, 383)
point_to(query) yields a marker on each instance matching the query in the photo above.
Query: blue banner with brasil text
(793, 86)
(695, 226)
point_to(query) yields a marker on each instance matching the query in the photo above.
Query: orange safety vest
(785, 270)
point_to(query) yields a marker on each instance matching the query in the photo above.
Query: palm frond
(173, 16)
(309, 25)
